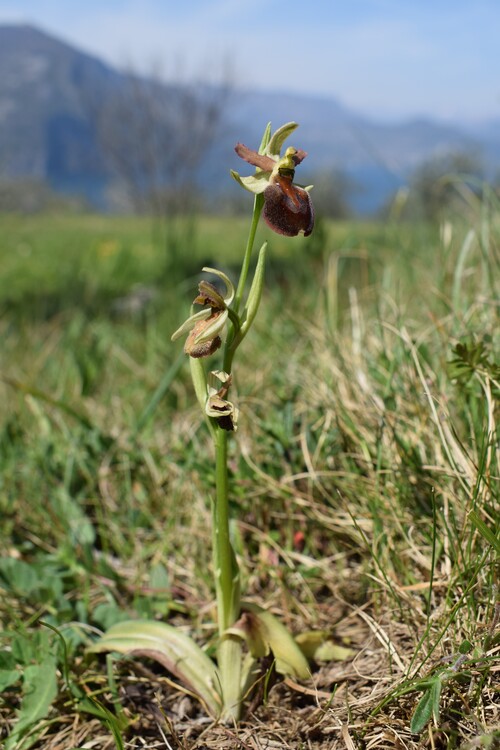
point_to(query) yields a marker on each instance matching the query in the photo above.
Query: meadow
(364, 479)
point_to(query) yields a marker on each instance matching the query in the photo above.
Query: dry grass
(363, 480)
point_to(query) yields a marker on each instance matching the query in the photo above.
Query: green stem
(227, 577)
(226, 571)
(227, 583)
(226, 567)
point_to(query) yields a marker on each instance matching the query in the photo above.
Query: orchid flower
(287, 208)
(207, 325)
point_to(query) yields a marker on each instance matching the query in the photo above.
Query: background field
(364, 477)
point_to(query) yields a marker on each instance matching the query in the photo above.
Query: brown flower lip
(204, 348)
(288, 209)
(205, 327)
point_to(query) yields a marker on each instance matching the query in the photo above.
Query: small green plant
(224, 686)
(428, 707)
(33, 662)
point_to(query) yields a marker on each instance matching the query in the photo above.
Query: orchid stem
(227, 583)
(224, 562)
(227, 577)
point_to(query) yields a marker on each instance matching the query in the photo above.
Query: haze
(390, 59)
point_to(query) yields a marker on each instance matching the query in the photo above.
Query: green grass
(365, 476)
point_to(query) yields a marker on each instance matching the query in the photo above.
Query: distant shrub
(27, 196)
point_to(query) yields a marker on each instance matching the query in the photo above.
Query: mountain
(46, 125)
(52, 95)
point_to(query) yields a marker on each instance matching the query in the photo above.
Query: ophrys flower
(287, 208)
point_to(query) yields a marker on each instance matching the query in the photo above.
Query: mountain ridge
(50, 93)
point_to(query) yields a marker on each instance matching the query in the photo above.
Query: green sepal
(229, 295)
(213, 329)
(255, 183)
(279, 137)
(266, 137)
(190, 323)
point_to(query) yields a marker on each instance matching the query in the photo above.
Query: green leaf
(19, 576)
(79, 527)
(8, 677)
(31, 646)
(39, 690)
(254, 297)
(41, 396)
(422, 713)
(173, 649)
(467, 358)
(92, 706)
(317, 645)
(107, 614)
(7, 660)
(485, 531)
(427, 706)
(267, 630)
(436, 697)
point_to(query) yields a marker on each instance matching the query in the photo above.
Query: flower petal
(210, 296)
(219, 382)
(217, 406)
(223, 411)
(299, 155)
(266, 163)
(230, 291)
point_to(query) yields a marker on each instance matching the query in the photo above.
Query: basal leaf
(317, 645)
(39, 690)
(289, 658)
(8, 677)
(172, 648)
(436, 697)
(19, 576)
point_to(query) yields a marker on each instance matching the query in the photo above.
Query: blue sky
(391, 59)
